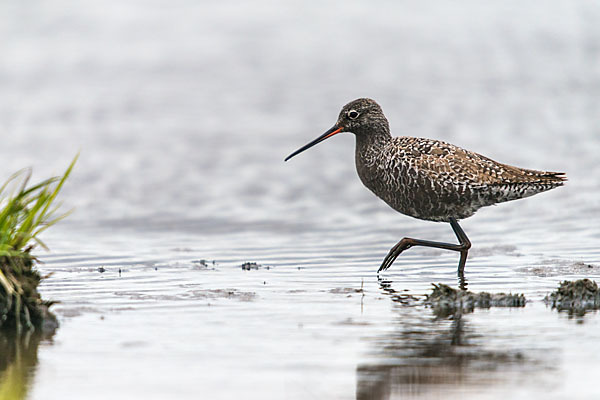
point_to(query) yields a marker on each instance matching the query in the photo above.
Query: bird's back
(435, 180)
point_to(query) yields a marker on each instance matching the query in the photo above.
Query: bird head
(361, 117)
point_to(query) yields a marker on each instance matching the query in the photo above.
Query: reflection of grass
(25, 212)
(13, 382)
(17, 364)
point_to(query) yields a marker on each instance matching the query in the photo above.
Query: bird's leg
(464, 245)
(406, 243)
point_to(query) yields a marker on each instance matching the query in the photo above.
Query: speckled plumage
(430, 179)
(434, 180)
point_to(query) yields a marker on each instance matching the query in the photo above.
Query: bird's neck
(375, 137)
(370, 147)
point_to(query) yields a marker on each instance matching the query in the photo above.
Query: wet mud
(576, 297)
(445, 300)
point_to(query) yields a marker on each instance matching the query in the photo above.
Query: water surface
(183, 113)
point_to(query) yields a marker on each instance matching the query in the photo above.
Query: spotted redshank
(429, 179)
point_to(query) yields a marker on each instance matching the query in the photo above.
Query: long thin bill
(333, 131)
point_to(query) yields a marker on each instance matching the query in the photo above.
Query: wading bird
(429, 179)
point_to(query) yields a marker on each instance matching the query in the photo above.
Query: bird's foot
(402, 245)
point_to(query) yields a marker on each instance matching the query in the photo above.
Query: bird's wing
(441, 160)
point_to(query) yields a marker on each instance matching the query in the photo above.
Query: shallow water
(183, 113)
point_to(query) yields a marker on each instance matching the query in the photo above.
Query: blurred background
(188, 108)
(183, 112)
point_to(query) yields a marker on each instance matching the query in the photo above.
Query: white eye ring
(353, 114)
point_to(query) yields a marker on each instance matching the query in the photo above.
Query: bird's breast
(395, 176)
(382, 172)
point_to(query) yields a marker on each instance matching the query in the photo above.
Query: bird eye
(353, 114)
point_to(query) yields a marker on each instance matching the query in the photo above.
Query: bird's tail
(523, 182)
(531, 176)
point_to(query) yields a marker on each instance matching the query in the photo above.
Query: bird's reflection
(18, 361)
(462, 281)
(427, 351)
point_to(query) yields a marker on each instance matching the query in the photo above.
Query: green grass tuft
(25, 212)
